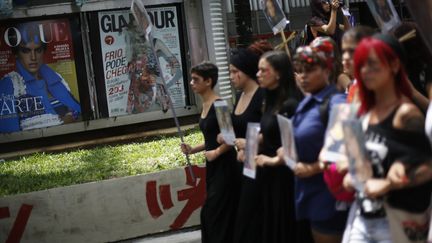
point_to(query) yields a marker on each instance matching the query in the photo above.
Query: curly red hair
(260, 47)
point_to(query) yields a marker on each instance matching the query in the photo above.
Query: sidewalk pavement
(189, 236)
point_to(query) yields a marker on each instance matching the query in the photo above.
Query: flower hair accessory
(306, 55)
(324, 47)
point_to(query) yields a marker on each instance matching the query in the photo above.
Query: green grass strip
(44, 170)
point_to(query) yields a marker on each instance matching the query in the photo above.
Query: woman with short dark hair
(219, 209)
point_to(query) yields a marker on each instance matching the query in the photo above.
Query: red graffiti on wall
(20, 222)
(194, 195)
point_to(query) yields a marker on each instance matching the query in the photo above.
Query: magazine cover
(39, 83)
(360, 166)
(384, 14)
(334, 146)
(288, 143)
(133, 79)
(224, 120)
(251, 150)
(274, 14)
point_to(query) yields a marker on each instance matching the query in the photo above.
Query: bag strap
(324, 108)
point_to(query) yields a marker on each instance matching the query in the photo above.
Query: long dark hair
(281, 63)
(318, 11)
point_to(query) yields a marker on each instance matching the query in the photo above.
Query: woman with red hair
(396, 145)
(378, 64)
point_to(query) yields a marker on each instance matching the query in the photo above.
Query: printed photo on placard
(334, 145)
(38, 86)
(252, 135)
(288, 143)
(224, 120)
(360, 166)
(274, 14)
(139, 11)
(429, 238)
(428, 123)
(422, 18)
(384, 14)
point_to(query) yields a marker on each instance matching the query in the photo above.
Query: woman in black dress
(219, 209)
(243, 68)
(275, 75)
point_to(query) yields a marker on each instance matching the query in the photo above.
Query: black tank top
(252, 113)
(385, 145)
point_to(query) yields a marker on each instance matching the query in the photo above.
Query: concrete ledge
(105, 211)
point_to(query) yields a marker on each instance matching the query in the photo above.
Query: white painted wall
(102, 211)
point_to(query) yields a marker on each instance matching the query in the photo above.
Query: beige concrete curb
(105, 211)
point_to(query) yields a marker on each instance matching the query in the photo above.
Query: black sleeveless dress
(276, 183)
(219, 209)
(248, 220)
(385, 145)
